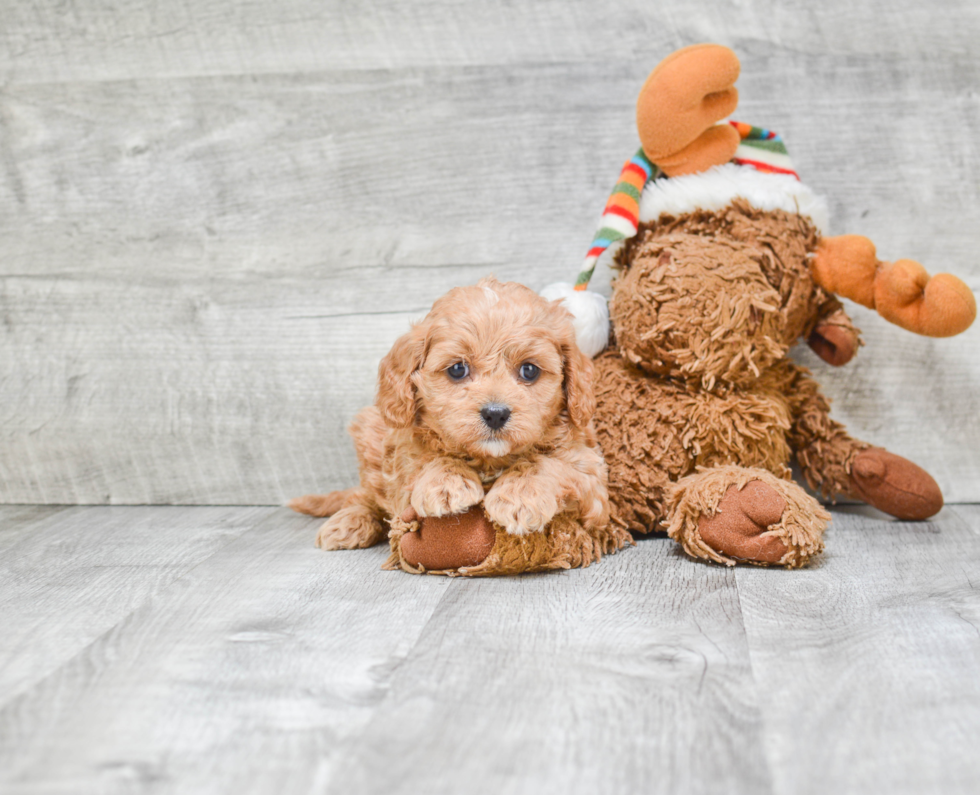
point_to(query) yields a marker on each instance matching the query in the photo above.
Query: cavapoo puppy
(478, 456)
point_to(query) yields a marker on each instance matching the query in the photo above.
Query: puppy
(487, 399)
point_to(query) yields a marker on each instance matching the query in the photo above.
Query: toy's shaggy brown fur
(711, 303)
(705, 310)
(425, 450)
(699, 408)
(733, 291)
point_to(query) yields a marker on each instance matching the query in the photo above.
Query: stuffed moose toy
(723, 267)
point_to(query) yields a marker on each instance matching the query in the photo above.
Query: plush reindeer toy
(723, 267)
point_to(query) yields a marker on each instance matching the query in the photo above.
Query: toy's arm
(835, 338)
(835, 464)
(901, 292)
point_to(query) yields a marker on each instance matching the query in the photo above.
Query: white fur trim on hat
(591, 313)
(715, 189)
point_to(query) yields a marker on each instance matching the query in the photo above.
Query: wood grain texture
(866, 664)
(273, 667)
(215, 220)
(46, 41)
(16, 521)
(107, 563)
(970, 514)
(630, 676)
(244, 675)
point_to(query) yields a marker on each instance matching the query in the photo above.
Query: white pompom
(591, 314)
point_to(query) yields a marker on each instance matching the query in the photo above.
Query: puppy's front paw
(519, 507)
(441, 493)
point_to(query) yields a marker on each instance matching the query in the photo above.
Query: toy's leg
(823, 448)
(835, 464)
(894, 485)
(637, 492)
(470, 545)
(733, 514)
(636, 422)
(565, 544)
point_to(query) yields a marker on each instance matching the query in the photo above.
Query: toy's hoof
(741, 519)
(449, 542)
(894, 485)
(833, 343)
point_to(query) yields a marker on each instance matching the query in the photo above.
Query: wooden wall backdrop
(216, 217)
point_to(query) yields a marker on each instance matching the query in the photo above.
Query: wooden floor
(183, 650)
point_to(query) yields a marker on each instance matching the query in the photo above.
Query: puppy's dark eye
(529, 372)
(458, 371)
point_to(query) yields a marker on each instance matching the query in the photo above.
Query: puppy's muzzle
(495, 415)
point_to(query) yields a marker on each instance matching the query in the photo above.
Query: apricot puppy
(487, 400)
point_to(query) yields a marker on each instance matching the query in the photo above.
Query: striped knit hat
(761, 149)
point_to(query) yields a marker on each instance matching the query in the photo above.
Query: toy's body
(703, 381)
(723, 269)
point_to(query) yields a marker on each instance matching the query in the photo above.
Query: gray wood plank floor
(184, 650)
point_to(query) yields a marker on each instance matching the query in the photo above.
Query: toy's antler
(901, 292)
(679, 104)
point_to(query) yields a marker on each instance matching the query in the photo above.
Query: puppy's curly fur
(427, 445)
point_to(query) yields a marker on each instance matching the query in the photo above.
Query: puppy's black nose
(495, 415)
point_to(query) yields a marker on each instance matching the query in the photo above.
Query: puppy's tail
(321, 504)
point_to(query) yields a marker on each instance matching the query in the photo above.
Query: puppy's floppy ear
(396, 389)
(579, 393)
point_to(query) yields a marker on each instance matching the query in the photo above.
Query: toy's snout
(834, 339)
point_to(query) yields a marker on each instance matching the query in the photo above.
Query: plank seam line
(410, 311)
(418, 638)
(150, 597)
(763, 723)
(353, 740)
